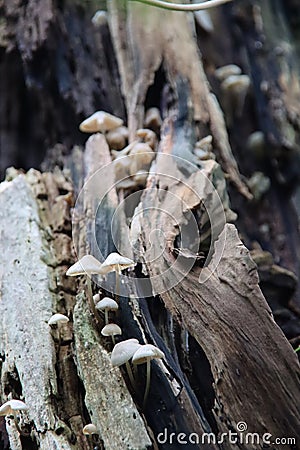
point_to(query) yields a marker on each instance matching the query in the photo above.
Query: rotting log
(226, 360)
(35, 226)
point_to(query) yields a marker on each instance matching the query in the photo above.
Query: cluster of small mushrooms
(131, 162)
(123, 351)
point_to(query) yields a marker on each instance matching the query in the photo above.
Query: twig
(183, 7)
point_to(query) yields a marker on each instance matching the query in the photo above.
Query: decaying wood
(36, 226)
(140, 56)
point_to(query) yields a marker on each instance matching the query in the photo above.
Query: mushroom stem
(130, 374)
(147, 382)
(16, 424)
(117, 285)
(90, 298)
(59, 338)
(106, 316)
(135, 371)
(113, 339)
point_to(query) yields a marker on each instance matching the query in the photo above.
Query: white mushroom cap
(87, 265)
(58, 318)
(203, 19)
(123, 351)
(226, 71)
(12, 405)
(146, 352)
(99, 18)
(111, 329)
(90, 428)
(115, 262)
(107, 303)
(148, 137)
(236, 83)
(100, 121)
(117, 138)
(153, 118)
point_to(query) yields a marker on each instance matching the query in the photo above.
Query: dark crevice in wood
(154, 94)
(12, 384)
(201, 380)
(29, 443)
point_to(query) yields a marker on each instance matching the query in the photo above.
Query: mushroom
(116, 263)
(117, 138)
(100, 121)
(204, 21)
(107, 304)
(153, 119)
(256, 144)
(112, 330)
(87, 265)
(205, 143)
(143, 355)
(148, 137)
(122, 353)
(226, 71)
(10, 408)
(235, 89)
(90, 428)
(122, 168)
(141, 157)
(58, 319)
(99, 18)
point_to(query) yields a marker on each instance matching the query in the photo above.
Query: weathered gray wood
(35, 251)
(27, 347)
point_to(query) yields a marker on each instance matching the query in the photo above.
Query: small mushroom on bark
(122, 353)
(147, 137)
(111, 329)
(117, 138)
(116, 263)
(234, 89)
(226, 71)
(153, 119)
(88, 265)
(143, 355)
(58, 319)
(89, 429)
(100, 121)
(141, 157)
(99, 18)
(107, 304)
(11, 408)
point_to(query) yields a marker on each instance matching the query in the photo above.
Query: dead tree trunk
(195, 292)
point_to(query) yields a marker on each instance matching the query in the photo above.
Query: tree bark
(206, 291)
